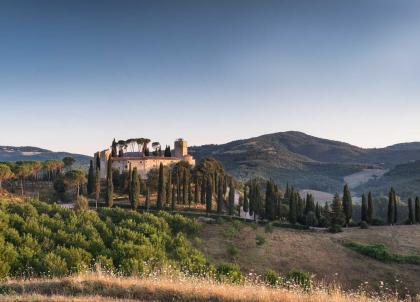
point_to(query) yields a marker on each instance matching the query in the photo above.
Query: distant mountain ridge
(12, 153)
(306, 161)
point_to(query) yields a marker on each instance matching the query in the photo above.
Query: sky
(75, 74)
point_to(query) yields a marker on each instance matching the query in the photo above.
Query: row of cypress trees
(186, 189)
(413, 213)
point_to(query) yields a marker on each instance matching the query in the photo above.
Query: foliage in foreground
(100, 287)
(40, 239)
(382, 253)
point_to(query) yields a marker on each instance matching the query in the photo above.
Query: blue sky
(75, 74)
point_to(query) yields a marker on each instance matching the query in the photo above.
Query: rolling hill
(305, 161)
(405, 178)
(10, 153)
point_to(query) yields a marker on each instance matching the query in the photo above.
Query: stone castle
(142, 162)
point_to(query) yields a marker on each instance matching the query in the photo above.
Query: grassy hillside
(303, 160)
(105, 288)
(321, 254)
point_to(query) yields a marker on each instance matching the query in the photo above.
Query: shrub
(272, 278)
(269, 227)
(236, 224)
(364, 225)
(382, 253)
(335, 228)
(259, 240)
(55, 265)
(220, 220)
(232, 251)
(227, 272)
(299, 278)
(378, 222)
(230, 232)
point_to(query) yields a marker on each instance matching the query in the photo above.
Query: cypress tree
(173, 200)
(209, 194)
(114, 148)
(251, 199)
(98, 162)
(347, 204)
(417, 210)
(109, 184)
(203, 190)
(130, 180)
(370, 208)
(269, 203)
(224, 185)
(169, 188)
(246, 202)
(220, 197)
(231, 198)
(135, 189)
(410, 211)
(391, 207)
(338, 217)
(292, 208)
(364, 216)
(190, 195)
(161, 188)
(178, 185)
(395, 208)
(91, 179)
(147, 205)
(300, 207)
(310, 204)
(97, 185)
(317, 212)
(196, 191)
(257, 202)
(184, 187)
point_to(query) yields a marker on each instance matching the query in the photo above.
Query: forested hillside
(10, 153)
(307, 162)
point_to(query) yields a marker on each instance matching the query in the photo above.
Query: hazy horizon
(76, 74)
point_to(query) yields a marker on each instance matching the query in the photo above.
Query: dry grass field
(321, 254)
(101, 288)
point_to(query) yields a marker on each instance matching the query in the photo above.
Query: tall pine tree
(135, 189)
(109, 184)
(209, 195)
(169, 188)
(231, 198)
(173, 200)
(97, 185)
(395, 208)
(196, 191)
(337, 215)
(364, 216)
(246, 202)
(161, 188)
(417, 210)
(410, 211)
(91, 179)
(292, 207)
(203, 190)
(220, 197)
(391, 206)
(370, 208)
(347, 204)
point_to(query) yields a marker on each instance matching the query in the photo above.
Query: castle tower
(181, 148)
